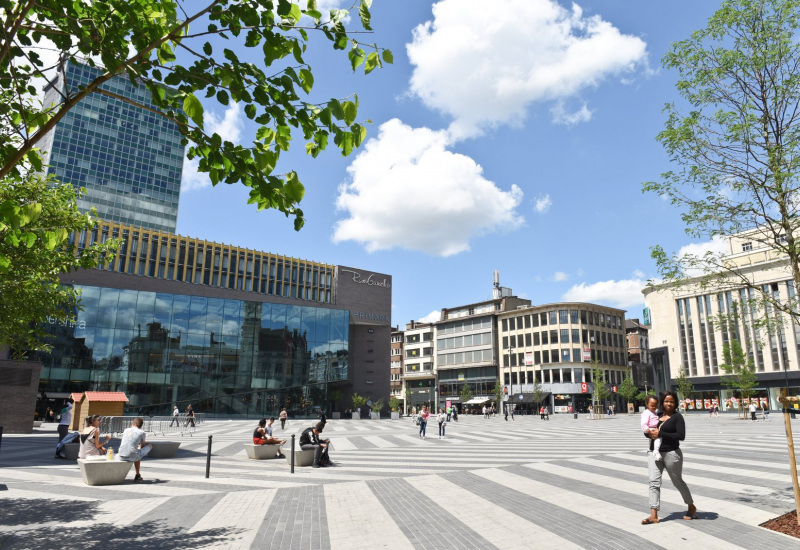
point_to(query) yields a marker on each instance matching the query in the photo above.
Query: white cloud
(485, 71)
(408, 190)
(229, 127)
(542, 204)
(623, 294)
(560, 276)
(638, 273)
(696, 251)
(561, 116)
(431, 317)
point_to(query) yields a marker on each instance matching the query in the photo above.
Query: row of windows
(565, 335)
(181, 259)
(562, 317)
(463, 357)
(424, 352)
(419, 367)
(465, 325)
(565, 355)
(560, 375)
(464, 341)
(419, 337)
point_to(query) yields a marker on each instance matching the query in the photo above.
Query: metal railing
(115, 425)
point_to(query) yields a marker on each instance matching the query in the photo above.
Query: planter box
(336, 416)
(356, 416)
(375, 416)
(37, 423)
(395, 416)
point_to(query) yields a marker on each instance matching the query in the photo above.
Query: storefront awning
(476, 400)
(527, 398)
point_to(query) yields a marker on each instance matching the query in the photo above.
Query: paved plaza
(530, 483)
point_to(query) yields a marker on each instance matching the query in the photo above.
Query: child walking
(650, 421)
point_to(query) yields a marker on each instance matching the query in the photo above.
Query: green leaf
(222, 97)
(356, 56)
(294, 189)
(207, 49)
(193, 109)
(363, 13)
(250, 111)
(294, 13)
(388, 57)
(306, 80)
(350, 112)
(30, 213)
(372, 62)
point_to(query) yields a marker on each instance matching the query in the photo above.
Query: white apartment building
(683, 323)
(419, 377)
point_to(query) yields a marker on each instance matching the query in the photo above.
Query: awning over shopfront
(476, 401)
(527, 398)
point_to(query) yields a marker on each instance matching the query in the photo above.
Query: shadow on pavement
(27, 516)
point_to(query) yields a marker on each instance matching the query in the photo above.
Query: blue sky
(510, 135)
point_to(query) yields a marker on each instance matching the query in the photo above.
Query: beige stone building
(686, 322)
(554, 345)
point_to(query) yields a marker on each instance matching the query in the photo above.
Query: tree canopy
(735, 140)
(182, 51)
(34, 250)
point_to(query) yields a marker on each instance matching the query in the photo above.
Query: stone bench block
(104, 472)
(261, 452)
(301, 458)
(71, 450)
(163, 449)
(37, 423)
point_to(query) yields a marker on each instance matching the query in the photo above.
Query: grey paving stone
(295, 519)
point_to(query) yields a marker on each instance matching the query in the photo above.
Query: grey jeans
(673, 462)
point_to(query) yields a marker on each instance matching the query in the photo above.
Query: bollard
(1, 436)
(576, 416)
(208, 457)
(292, 453)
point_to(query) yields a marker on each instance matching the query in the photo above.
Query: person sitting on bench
(310, 440)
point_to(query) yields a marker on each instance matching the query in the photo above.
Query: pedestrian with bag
(442, 418)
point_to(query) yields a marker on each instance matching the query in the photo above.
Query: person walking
(512, 414)
(175, 417)
(671, 430)
(485, 414)
(189, 416)
(283, 416)
(765, 411)
(442, 418)
(752, 411)
(423, 421)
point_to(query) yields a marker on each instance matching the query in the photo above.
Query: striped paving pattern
(562, 483)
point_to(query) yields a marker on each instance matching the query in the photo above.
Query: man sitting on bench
(310, 440)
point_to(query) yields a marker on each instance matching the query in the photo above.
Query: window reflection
(162, 348)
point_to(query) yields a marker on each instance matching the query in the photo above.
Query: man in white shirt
(753, 411)
(133, 447)
(175, 416)
(66, 419)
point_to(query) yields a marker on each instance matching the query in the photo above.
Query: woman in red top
(260, 433)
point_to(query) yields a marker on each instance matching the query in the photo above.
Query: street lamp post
(510, 380)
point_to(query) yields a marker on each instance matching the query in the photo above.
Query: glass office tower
(129, 159)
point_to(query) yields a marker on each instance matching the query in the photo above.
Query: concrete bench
(261, 452)
(163, 449)
(37, 423)
(301, 457)
(104, 472)
(71, 450)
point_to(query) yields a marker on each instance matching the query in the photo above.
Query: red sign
(584, 387)
(614, 389)
(505, 390)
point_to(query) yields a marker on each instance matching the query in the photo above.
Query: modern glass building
(129, 159)
(227, 357)
(233, 344)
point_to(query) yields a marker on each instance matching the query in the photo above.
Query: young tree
(408, 399)
(358, 401)
(466, 393)
(600, 390)
(394, 403)
(377, 406)
(735, 141)
(628, 389)
(251, 52)
(538, 393)
(740, 370)
(34, 249)
(498, 394)
(685, 386)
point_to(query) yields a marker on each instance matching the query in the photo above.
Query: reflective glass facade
(129, 159)
(225, 357)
